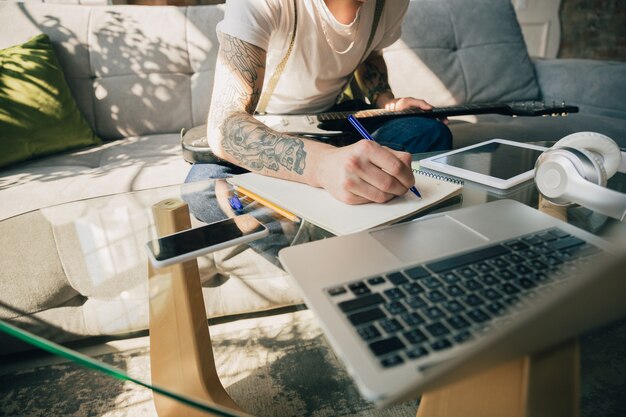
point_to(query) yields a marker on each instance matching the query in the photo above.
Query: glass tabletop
(78, 273)
(83, 272)
(527, 193)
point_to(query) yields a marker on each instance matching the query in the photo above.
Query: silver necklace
(325, 31)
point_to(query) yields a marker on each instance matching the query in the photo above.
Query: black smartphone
(191, 243)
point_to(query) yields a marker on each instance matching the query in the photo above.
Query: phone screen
(192, 240)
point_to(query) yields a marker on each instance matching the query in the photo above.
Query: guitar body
(298, 124)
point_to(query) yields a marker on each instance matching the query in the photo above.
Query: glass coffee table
(78, 273)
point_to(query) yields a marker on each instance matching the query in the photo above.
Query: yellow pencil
(266, 203)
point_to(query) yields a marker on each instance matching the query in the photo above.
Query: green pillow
(38, 115)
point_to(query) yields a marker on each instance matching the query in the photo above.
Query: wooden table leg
(181, 356)
(498, 392)
(554, 382)
(544, 385)
(558, 212)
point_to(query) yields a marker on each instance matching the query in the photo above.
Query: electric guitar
(334, 126)
(336, 123)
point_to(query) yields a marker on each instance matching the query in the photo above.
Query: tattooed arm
(233, 133)
(372, 78)
(354, 174)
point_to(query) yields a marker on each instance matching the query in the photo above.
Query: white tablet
(497, 163)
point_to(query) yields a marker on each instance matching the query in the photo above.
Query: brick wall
(593, 29)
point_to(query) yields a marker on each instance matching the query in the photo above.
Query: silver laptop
(416, 305)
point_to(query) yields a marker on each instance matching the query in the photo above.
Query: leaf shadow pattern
(129, 80)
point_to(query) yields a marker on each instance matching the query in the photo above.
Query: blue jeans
(408, 134)
(413, 135)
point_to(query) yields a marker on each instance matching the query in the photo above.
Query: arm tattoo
(238, 84)
(236, 96)
(374, 81)
(246, 61)
(255, 146)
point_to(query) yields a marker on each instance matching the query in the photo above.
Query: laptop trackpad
(424, 240)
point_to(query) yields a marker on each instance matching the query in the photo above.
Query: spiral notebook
(319, 207)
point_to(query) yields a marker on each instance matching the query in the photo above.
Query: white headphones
(576, 169)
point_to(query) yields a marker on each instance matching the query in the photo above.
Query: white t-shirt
(317, 69)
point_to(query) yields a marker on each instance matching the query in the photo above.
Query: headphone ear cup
(566, 175)
(608, 151)
(552, 171)
(558, 168)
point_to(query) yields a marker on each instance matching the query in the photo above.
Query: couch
(140, 74)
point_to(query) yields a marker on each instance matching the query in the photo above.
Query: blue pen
(235, 203)
(359, 127)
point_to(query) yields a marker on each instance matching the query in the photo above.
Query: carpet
(277, 366)
(271, 366)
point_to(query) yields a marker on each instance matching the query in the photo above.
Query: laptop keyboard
(407, 314)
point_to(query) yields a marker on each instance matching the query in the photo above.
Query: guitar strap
(271, 84)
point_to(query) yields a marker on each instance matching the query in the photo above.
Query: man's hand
(365, 172)
(405, 103)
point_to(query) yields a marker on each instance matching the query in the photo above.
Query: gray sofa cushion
(533, 129)
(597, 87)
(455, 51)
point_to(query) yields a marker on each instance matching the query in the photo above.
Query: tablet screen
(494, 159)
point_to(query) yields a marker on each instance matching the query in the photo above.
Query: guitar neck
(334, 124)
(510, 109)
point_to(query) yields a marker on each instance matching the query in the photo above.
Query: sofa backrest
(134, 70)
(462, 51)
(137, 70)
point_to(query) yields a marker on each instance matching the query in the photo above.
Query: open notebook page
(319, 207)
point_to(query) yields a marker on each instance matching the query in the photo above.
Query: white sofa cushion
(134, 70)
(119, 166)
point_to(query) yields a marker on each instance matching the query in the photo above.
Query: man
(331, 41)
